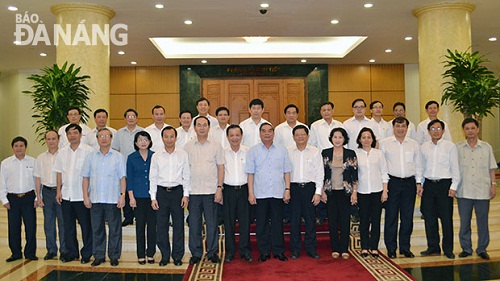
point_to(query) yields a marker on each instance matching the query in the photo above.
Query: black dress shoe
(143, 262)
(375, 255)
(67, 259)
(430, 252)
(163, 262)
(32, 258)
(407, 253)
(85, 260)
(12, 258)
(97, 262)
(313, 255)
(127, 222)
(214, 258)
(391, 254)
(49, 256)
(264, 257)
(114, 262)
(151, 260)
(365, 254)
(295, 254)
(450, 255)
(484, 256)
(229, 257)
(177, 262)
(464, 254)
(247, 257)
(281, 257)
(194, 260)
(286, 221)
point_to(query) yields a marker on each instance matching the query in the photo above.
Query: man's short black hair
(19, 138)
(434, 122)
(99, 111)
(130, 110)
(291, 106)
(430, 103)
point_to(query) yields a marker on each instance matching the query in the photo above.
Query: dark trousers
(198, 205)
(73, 211)
(128, 212)
(339, 205)
(102, 212)
(321, 210)
(52, 211)
(169, 203)
(269, 212)
(236, 206)
(370, 208)
(437, 204)
(400, 203)
(301, 206)
(22, 209)
(145, 216)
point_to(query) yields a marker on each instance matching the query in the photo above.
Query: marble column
(85, 48)
(441, 26)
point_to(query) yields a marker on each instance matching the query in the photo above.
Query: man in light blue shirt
(104, 194)
(268, 168)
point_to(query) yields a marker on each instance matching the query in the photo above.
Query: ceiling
(386, 25)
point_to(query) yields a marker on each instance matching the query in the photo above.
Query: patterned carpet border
(381, 268)
(205, 269)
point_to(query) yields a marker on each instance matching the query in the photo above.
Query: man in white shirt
(442, 176)
(354, 124)
(203, 106)
(74, 117)
(423, 135)
(283, 132)
(101, 119)
(218, 132)
(154, 130)
(169, 181)
(17, 192)
(399, 110)
(384, 128)
(235, 195)
(185, 132)
(251, 125)
(306, 185)
(320, 129)
(46, 189)
(404, 165)
(68, 166)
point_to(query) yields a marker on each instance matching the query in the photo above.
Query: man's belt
(236, 187)
(401, 179)
(20, 195)
(169, 188)
(53, 188)
(302, 184)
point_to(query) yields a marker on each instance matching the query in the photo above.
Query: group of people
(246, 172)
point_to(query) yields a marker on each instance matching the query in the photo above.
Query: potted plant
(53, 93)
(470, 86)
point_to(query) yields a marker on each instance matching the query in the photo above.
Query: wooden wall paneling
(119, 103)
(388, 99)
(213, 90)
(387, 77)
(153, 80)
(122, 80)
(238, 94)
(270, 91)
(343, 101)
(145, 102)
(294, 93)
(349, 78)
(116, 123)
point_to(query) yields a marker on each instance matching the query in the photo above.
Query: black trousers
(22, 209)
(145, 216)
(73, 211)
(236, 206)
(128, 212)
(169, 203)
(370, 209)
(270, 237)
(301, 206)
(339, 208)
(437, 204)
(400, 204)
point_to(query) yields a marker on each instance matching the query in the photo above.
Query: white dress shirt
(169, 169)
(43, 168)
(440, 161)
(16, 176)
(234, 169)
(93, 140)
(372, 171)
(213, 121)
(384, 128)
(69, 163)
(156, 137)
(412, 132)
(219, 134)
(353, 127)
(183, 137)
(307, 166)
(403, 159)
(86, 135)
(283, 134)
(423, 133)
(251, 133)
(320, 133)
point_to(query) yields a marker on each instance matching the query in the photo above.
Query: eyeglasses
(436, 129)
(143, 140)
(131, 117)
(359, 107)
(104, 136)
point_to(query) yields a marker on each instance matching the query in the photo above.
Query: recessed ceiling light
(264, 5)
(256, 39)
(388, 50)
(303, 61)
(133, 62)
(43, 54)
(17, 42)
(408, 38)
(188, 22)
(203, 61)
(492, 39)
(334, 21)
(368, 5)
(372, 60)
(159, 6)
(12, 8)
(121, 52)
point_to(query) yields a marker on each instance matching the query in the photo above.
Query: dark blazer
(350, 169)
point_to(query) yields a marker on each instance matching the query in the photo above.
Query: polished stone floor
(91, 276)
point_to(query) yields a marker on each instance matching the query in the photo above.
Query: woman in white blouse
(372, 191)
